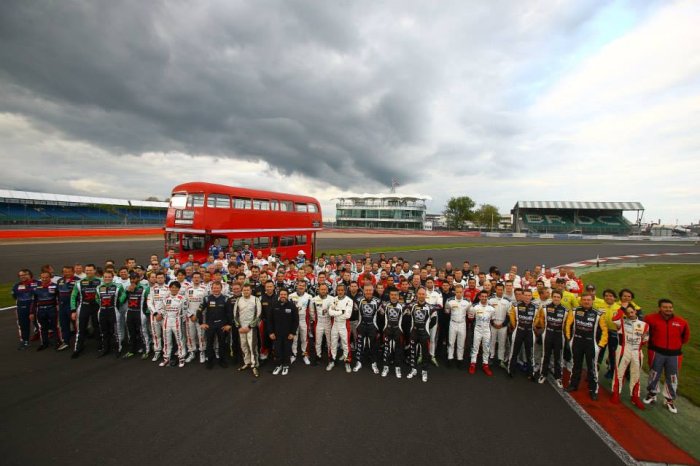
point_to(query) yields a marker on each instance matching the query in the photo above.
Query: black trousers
(108, 319)
(366, 332)
(612, 348)
(420, 340)
(393, 344)
(283, 350)
(582, 348)
(86, 314)
(133, 327)
(519, 338)
(553, 344)
(209, 334)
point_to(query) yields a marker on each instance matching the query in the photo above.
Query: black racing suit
(393, 317)
(267, 303)
(554, 319)
(84, 303)
(284, 321)
(216, 312)
(584, 328)
(65, 289)
(367, 328)
(136, 307)
(110, 297)
(522, 317)
(423, 318)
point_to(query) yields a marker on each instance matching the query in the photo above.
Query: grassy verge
(430, 247)
(6, 295)
(680, 283)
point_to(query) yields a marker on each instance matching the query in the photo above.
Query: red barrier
(85, 232)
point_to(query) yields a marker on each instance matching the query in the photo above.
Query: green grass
(6, 295)
(426, 247)
(680, 283)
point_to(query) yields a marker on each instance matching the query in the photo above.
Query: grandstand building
(385, 211)
(595, 218)
(22, 208)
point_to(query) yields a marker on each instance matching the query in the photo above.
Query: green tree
(487, 215)
(458, 211)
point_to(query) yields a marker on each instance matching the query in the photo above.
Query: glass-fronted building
(385, 211)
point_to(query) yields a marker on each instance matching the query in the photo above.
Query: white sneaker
(330, 366)
(649, 399)
(285, 370)
(559, 383)
(181, 363)
(412, 374)
(190, 357)
(357, 367)
(202, 357)
(307, 361)
(164, 363)
(398, 372)
(671, 406)
(424, 376)
(348, 369)
(263, 356)
(292, 359)
(385, 371)
(277, 370)
(542, 379)
(375, 369)
(156, 356)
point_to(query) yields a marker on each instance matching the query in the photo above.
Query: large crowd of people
(384, 312)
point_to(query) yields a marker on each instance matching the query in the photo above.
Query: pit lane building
(385, 211)
(595, 218)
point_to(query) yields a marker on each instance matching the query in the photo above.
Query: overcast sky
(501, 100)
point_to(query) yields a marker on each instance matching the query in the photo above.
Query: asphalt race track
(108, 411)
(55, 410)
(34, 255)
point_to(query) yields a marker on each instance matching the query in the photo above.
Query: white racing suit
(303, 304)
(173, 308)
(184, 288)
(457, 309)
(340, 311)
(434, 298)
(633, 335)
(319, 313)
(195, 335)
(155, 301)
(499, 335)
(483, 315)
(246, 313)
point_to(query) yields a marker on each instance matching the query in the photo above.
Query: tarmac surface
(109, 411)
(16, 255)
(55, 410)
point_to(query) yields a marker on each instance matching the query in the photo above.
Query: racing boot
(638, 403)
(472, 368)
(615, 399)
(487, 370)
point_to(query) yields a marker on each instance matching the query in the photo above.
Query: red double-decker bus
(200, 213)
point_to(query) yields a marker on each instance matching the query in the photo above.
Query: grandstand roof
(47, 197)
(579, 205)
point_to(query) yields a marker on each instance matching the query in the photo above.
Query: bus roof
(198, 186)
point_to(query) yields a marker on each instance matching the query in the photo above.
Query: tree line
(460, 210)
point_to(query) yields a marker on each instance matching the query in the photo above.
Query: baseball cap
(590, 287)
(301, 252)
(133, 275)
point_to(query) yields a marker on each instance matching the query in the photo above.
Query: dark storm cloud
(278, 82)
(342, 91)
